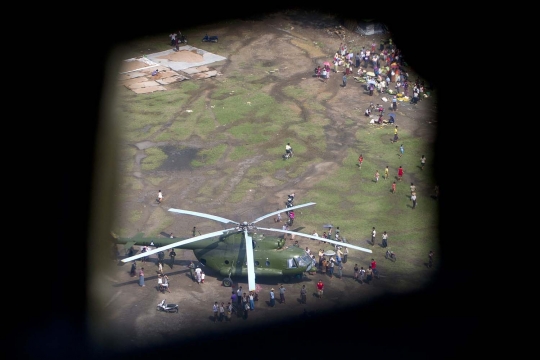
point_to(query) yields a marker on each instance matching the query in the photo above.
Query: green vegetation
(155, 157)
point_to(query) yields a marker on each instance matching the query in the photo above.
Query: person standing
(324, 75)
(251, 301)
(191, 267)
(229, 311)
(166, 283)
(194, 231)
(413, 188)
(369, 275)
(320, 289)
(395, 139)
(198, 274)
(400, 173)
(386, 171)
(141, 277)
(159, 197)
(357, 60)
(324, 264)
(272, 298)
(133, 269)
(161, 257)
(239, 297)
(331, 267)
(373, 266)
(345, 254)
(339, 254)
(143, 250)
(376, 175)
(340, 270)
(173, 39)
(344, 80)
(160, 268)
(431, 254)
(422, 162)
(245, 302)
(303, 294)
(172, 254)
(246, 309)
(394, 187)
(222, 312)
(215, 311)
(373, 234)
(413, 199)
(360, 161)
(356, 272)
(234, 297)
(281, 294)
(361, 275)
(401, 150)
(384, 239)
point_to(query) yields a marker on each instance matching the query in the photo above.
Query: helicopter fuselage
(227, 254)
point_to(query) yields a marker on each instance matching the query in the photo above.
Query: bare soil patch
(183, 56)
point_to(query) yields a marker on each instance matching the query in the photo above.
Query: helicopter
(240, 250)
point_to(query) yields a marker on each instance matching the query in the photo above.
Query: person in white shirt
(288, 148)
(166, 283)
(160, 196)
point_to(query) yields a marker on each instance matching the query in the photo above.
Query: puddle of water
(178, 159)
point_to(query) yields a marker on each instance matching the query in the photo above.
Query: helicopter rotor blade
(250, 261)
(208, 216)
(280, 211)
(176, 244)
(320, 238)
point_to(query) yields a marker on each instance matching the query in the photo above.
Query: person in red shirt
(400, 173)
(374, 268)
(320, 288)
(360, 161)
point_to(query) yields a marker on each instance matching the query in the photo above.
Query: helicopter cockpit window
(302, 261)
(257, 263)
(267, 262)
(291, 263)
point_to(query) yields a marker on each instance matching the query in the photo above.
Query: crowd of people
(380, 68)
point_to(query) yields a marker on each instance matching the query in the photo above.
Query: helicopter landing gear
(227, 282)
(286, 279)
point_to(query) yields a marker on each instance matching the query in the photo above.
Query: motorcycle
(288, 155)
(212, 38)
(163, 306)
(390, 255)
